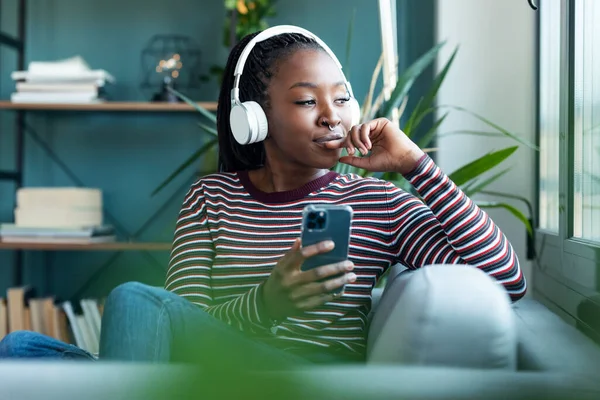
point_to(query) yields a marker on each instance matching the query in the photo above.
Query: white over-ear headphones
(248, 120)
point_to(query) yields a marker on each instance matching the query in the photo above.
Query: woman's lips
(329, 138)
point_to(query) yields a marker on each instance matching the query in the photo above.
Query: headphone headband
(269, 33)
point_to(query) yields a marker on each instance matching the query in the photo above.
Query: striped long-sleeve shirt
(230, 235)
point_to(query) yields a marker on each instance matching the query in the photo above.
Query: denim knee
(16, 343)
(28, 344)
(130, 292)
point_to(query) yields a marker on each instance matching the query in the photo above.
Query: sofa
(441, 332)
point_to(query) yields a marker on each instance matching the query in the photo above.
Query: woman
(235, 293)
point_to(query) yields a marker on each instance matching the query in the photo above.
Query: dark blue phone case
(338, 220)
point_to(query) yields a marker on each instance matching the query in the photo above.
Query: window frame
(565, 264)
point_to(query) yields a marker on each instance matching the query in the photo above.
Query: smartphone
(322, 222)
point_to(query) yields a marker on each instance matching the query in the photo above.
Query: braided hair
(260, 66)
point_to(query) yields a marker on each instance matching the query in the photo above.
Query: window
(567, 270)
(586, 118)
(549, 117)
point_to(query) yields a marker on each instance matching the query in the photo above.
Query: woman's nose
(330, 118)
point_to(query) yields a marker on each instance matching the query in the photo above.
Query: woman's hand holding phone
(290, 290)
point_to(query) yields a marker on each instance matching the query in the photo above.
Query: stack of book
(63, 81)
(57, 215)
(75, 323)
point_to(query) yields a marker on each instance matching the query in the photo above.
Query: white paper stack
(64, 81)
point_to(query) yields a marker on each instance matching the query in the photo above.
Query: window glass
(586, 128)
(549, 114)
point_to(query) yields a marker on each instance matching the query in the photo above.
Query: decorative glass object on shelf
(169, 61)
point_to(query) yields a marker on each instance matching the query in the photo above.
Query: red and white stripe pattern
(227, 242)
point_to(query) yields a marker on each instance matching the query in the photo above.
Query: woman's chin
(329, 162)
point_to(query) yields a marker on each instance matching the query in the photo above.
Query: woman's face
(307, 94)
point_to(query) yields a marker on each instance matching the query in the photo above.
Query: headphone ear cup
(261, 126)
(355, 110)
(241, 124)
(248, 123)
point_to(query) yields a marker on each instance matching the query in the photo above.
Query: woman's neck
(283, 178)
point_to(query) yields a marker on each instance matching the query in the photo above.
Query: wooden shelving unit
(140, 106)
(113, 246)
(15, 174)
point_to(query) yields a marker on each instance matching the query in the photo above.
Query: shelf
(141, 106)
(114, 246)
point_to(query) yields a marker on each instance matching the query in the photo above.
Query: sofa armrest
(451, 315)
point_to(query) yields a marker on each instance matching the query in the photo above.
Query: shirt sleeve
(447, 227)
(190, 266)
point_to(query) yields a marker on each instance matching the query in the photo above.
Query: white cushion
(446, 315)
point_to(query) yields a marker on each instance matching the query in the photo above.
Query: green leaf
(210, 116)
(480, 165)
(513, 210)
(197, 154)
(511, 196)
(426, 103)
(428, 137)
(406, 80)
(474, 133)
(471, 190)
(208, 129)
(497, 127)
(416, 117)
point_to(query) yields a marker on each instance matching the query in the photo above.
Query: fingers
(359, 138)
(297, 254)
(320, 288)
(364, 162)
(318, 248)
(365, 131)
(297, 244)
(326, 271)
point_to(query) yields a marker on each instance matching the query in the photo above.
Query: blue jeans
(144, 323)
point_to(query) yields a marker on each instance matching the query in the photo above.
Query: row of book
(77, 324)
(63, 81)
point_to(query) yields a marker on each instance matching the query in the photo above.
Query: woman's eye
(306, 103)
(344, 100)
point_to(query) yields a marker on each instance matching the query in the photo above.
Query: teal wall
(126, 154)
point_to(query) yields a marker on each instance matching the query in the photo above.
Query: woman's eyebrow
(314, 85)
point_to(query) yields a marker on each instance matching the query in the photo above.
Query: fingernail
(329, 244)
(351, 277)
(349, 266)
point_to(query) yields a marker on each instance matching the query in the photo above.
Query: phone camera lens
(312, 216)
(320, 222)
(311, 225)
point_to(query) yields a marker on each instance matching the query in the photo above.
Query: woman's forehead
(308, 65)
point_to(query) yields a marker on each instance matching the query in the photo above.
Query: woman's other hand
(289, 290)
(388, 148)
